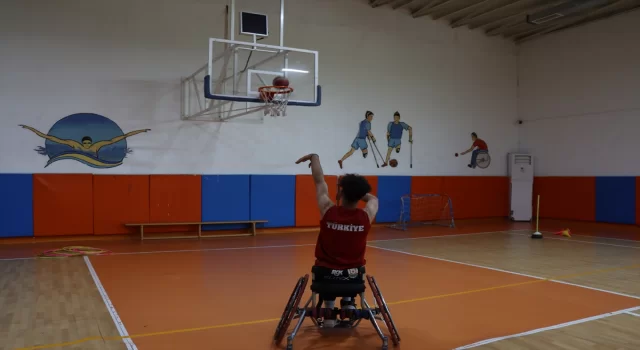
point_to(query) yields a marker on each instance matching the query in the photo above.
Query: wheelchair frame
(313, 310)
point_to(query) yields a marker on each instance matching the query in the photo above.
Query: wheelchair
(483, 159)
(331, 284)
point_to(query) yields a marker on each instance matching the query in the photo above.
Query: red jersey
(480, 144)
(343, 238)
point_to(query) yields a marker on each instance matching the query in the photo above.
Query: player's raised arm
(371, 208)
(322, 190)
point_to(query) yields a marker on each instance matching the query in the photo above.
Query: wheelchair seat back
(338, 283)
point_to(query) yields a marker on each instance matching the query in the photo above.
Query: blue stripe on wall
(616, 199)
(226, 198)
(16, 206)
(273, 198)
(390, 189)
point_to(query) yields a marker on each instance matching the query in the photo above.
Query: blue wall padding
(226, 198)
(273, 198)
(390, 189)
(16, 205)
(616, 199)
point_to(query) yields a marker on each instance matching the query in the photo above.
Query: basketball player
(479, 145)
(360, 142)
(342, 240)
(394, 135)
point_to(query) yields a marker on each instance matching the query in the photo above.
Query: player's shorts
(393, 143)
(359, 144)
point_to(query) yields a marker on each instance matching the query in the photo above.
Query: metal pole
(281, 22)
(232, 13)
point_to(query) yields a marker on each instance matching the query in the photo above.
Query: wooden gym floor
(485, 284)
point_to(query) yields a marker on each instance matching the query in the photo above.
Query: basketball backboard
(228, 86)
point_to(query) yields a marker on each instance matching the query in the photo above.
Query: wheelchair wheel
(291, 309)
(483, 160)
(384, 310)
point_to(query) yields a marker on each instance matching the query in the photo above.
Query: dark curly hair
(354, 187)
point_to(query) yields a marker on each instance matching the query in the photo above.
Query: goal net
(425, 209)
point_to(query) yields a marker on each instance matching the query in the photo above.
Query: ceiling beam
(517, 15)
(568, 22)
(479, 12)
(378, 3)
(466, 8)
(498, 9)
(587, 21)
(429, 8)
(401, 3)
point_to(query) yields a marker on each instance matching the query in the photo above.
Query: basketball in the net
(280, 81)
(393, 163)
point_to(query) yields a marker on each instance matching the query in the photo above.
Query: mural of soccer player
(360, 142)
(395, 129)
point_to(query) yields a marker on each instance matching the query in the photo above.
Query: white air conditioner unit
(521, 190)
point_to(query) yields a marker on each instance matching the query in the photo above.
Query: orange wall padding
(471, 196)
(62, 204)
(175, 198)
(119, 200)
(427, 184)
(637, 200)
(478, 196)
(570, 198)
(307, 213)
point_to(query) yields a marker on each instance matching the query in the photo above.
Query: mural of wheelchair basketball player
(480, 153)
(394, 137)
(360, 142)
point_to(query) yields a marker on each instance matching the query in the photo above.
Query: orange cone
(566, 233)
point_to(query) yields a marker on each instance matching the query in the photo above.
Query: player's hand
(306, 158)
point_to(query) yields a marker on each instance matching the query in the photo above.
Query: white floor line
(455, 262)
(13, 259)
(112, 310)
(562, 325)
(215, 249)
(601, 237)
(289, 245)
(633, 314)
(580, 241)
(505, 271)
(298, 245)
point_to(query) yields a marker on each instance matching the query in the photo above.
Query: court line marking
(297, 245)
(633, 314)
(552, 279)
(187, 330)
(285, 245)
(112, 310)
(539, 330)
(581, 241)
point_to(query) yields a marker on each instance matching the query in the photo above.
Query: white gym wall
(579, 97)
(123, 59)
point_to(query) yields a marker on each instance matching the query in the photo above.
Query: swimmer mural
(88, 138)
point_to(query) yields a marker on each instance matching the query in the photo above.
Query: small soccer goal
(425, 209)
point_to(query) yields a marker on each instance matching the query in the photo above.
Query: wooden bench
(251, 223)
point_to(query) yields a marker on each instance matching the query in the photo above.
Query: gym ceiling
(518, 20)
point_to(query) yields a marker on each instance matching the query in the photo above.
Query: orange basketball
(393, 163)
(280, 81)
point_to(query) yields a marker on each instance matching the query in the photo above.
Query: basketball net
(275, 99)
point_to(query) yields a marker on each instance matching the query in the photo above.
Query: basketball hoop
(275, 99)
